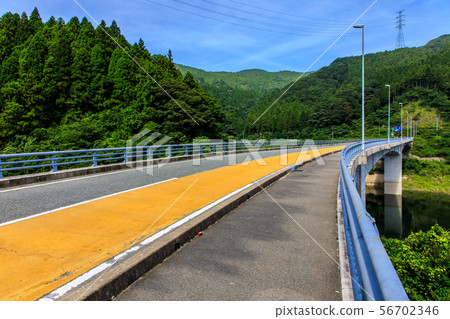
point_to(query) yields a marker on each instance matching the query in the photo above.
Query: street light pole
(361, 26)
(389, 114)
(407, 124)
(401, 121)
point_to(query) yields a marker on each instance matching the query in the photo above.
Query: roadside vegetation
(422, 261)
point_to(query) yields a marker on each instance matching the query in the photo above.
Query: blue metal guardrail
(94, 157)
(373, 276)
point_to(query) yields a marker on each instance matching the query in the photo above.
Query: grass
(435, 184)
(426, 176)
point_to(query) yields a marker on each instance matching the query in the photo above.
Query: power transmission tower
(399, 25)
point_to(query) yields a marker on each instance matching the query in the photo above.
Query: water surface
(398, 216)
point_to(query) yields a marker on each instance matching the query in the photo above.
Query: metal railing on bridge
(26, 163)
(373, 275)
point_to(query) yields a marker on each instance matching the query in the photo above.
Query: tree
(35, 20)
(114, 30)
(32, 57)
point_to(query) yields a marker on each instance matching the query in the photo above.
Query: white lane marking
(81, 203)
(59, 292)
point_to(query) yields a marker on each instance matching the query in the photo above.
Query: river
(398, 216)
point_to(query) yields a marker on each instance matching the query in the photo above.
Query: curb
(344, 263)
(109, 283)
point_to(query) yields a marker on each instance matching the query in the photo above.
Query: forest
(327, 103)
(73, 86)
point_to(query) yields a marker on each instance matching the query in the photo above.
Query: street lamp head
(387, 85)
(400, 103)
(358, 26)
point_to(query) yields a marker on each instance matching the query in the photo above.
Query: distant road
(25, 201)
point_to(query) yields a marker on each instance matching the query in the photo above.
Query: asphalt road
(26, 201)
(281, 246)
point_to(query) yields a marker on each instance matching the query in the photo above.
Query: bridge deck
(40, 254)
(258, 252)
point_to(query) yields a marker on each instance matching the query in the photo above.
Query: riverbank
(425, 175)
(419, 175)
(433, 184)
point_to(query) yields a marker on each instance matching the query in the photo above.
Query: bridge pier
(364, 163)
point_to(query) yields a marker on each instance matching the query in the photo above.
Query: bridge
(90, 237)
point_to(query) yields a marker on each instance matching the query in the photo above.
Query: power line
(399, 25)
(228, 22)
(287, 14)
(295, 30)
(254, 21)
(325, 23)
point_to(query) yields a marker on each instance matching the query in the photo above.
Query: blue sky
(232, 35)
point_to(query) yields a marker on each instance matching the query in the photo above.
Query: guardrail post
(1, 172)
(170, 150)
(54, 163)
(150, 153)
(125, 155)
(94, 159)
(201, 149)
(187, 150)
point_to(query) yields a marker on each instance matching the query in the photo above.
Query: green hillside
(255, 79)
(329, 101)
(239, 92)
(68, 85)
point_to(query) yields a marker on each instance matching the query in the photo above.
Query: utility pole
(407, 124)
(399, 25)
(401, 122)
(389, 114)
(361, 26)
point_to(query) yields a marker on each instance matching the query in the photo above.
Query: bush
(425, 167)
(422, 262)
(432, 146)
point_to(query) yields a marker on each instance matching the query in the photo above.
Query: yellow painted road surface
(40, 254)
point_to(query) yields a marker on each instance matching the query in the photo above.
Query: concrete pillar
(393, 173)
